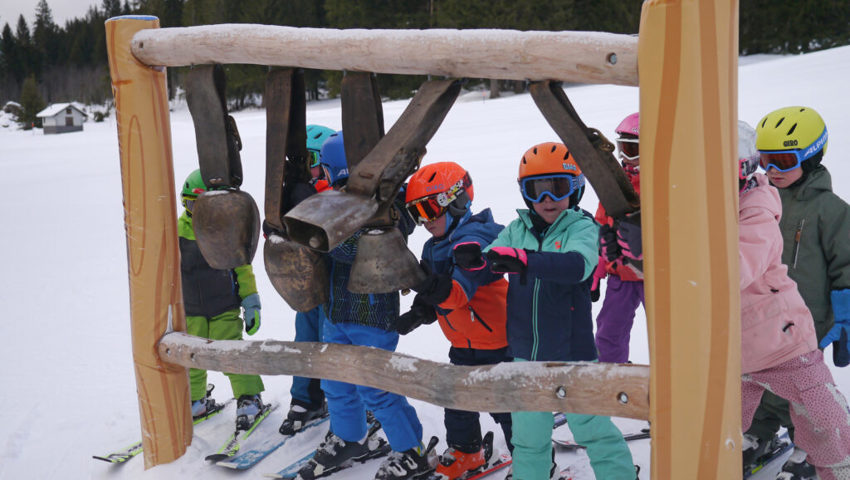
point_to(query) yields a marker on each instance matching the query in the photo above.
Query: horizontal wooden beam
(620, 390)
(581, 57)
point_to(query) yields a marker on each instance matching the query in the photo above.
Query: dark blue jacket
(549, 310)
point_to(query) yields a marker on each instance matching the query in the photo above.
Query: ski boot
(204, 405)
(456, 464)
(299, 416)
(755, 449)
(336, 454)
(247, 409)
(409, 464)
(797, 468)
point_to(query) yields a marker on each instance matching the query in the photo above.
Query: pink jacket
(776, 326)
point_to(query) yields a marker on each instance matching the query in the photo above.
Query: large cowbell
(383, 262)
(226, 220)
(299, 274)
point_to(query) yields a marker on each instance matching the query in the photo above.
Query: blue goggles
(787, 160)
(557, 187)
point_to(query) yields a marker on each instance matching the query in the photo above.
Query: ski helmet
(791, 137)
(550, 159)
(437, 189)
(630, 125)
(333, 158)
(316, 136)
(748, 156)
(192, 187)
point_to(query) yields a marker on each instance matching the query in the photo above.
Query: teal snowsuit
(815, 228)
(212, 300)
(550, 319)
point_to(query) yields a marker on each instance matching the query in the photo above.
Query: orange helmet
(437, 188)
(544, 163)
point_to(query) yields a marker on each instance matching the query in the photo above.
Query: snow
(66, 364)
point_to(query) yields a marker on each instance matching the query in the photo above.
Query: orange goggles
(432, 207)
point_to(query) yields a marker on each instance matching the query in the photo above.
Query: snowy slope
(66, 366)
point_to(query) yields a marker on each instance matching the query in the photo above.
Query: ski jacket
(621, 265)
(776, 326)
(549, 312)
(379, 310)
(473, 316)
(815, 229)
(207, 291)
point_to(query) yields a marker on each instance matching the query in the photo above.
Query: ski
(572, 445)
(131, 451)
(234, 443)
(291, 471)
(252, 456)
(782, 446)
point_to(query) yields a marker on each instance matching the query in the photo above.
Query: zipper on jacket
(473, 315)
(534, 320)
(797, 236)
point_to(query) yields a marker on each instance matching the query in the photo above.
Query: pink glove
(508, 260)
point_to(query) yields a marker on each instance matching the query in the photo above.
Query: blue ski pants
(347, 403)
(307, 392)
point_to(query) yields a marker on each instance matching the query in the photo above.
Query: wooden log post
(581, 387)
(147, 176)
(584, 57)
(688, 104)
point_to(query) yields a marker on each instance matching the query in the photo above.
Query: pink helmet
(630, 125)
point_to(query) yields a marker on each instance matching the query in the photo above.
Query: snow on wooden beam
(620, 390)
(582, 57)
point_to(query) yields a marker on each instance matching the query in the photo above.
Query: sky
(65, 350)
(62, 10)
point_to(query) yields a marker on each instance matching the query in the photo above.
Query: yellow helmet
(792, 128)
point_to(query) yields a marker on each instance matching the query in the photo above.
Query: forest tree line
(48, 63)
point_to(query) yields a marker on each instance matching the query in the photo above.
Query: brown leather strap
(591, 150)
(362, 116)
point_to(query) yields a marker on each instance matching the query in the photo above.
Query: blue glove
(839, 334)
(251, 304)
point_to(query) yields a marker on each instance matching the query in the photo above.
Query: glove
(468, 256)
(251, 304)
(629, 238)
(419, 313)
(839, 334)
(436, 287)
(608, 243)
(508, 260)
(598, 274)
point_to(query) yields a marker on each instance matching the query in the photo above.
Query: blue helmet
(316, 136)
(333, 158)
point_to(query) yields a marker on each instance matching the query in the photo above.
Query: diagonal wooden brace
(591, 150)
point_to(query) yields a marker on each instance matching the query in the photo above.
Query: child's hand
(629, 239)
(436, 287)
(468, 256)
(419, 314)
(608, 241)
(598, 274)
(251, 304)
(508, 260)
(839, 334)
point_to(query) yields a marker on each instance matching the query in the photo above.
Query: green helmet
(194, 185)
(316, 136)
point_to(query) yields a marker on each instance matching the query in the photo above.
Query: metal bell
(323, 221)
(299, 275)
(227, 227)
(383, 263)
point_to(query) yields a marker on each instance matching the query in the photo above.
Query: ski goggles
(189, 203)
(432, 207)
(787, 160)
(313, 158)
(557, 187)
(629, 149)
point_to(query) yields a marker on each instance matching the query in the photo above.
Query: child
(815, 226)
(212, 299)
(367, 320)
(550, 253)
(625, 281)
(779, 348)
(470, 304)
(308, 400)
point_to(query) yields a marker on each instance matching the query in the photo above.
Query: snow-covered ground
(65, 363)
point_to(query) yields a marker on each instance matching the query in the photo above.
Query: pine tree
(31, 103)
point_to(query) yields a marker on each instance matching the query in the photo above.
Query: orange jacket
(477, 323)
